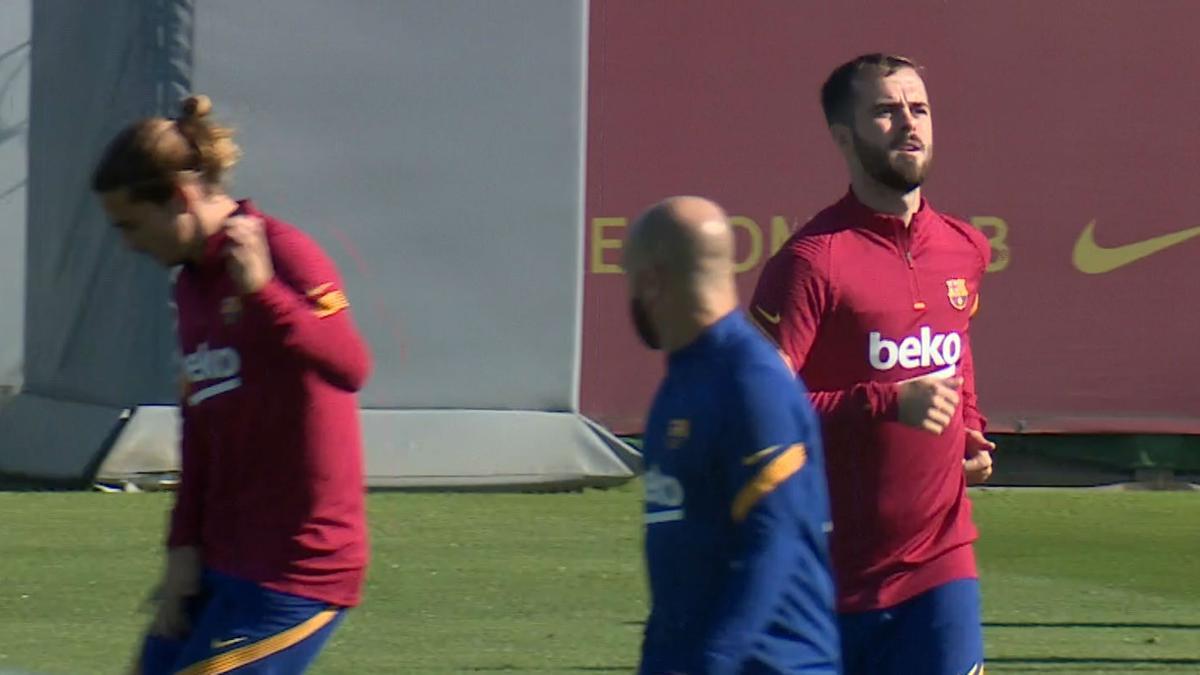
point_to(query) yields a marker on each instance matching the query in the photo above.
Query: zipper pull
(909, 259)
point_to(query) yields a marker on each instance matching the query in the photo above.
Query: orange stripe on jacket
(780, 469)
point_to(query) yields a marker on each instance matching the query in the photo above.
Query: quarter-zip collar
(213, 257)
(887, 224)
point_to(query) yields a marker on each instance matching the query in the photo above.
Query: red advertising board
(1068, 131)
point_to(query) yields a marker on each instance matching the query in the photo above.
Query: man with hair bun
(267, 541)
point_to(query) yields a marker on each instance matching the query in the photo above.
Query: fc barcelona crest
(678, 431)
(956, 290)
(231, 310)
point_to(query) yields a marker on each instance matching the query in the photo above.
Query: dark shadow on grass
(1073, 624)
(1066, 660)
(1120, 668)
(568, 669)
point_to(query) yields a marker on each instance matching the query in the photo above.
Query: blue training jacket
(737, 515)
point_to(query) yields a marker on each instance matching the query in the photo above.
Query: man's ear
(843, 137)
(652, 283)
(181, 197)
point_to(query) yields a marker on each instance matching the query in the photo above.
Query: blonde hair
(149, 155)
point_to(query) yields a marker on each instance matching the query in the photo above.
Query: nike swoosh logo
(202, 395)
(1091, 258)
(772, 318)
(221, 644)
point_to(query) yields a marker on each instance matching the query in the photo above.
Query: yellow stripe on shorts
(236, 658)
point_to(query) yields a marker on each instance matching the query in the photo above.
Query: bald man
(737, 515)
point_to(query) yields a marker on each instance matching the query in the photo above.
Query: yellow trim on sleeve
(764, 482)
(331, 303)
(316, 291)
(751, 460)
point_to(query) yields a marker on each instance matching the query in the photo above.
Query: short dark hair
(837, 94)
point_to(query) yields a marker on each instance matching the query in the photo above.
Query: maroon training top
(859, 303)
(272, 488)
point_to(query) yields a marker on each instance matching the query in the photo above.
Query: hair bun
(196, 106)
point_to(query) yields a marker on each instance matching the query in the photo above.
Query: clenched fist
(929, 402)
(247, 256)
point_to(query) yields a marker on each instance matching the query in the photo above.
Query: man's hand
(929, 402)
(978, 462)
(247, 255)
(170, 617)
(181, 581)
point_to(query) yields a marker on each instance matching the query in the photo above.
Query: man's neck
(210, 217)
(884, 199)
(688, 328)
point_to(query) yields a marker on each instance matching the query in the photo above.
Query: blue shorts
(241, 627)
(936, 633)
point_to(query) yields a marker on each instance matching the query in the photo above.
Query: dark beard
(643, 325)
(878, 165)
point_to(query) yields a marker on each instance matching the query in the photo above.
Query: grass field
(1074, 582)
